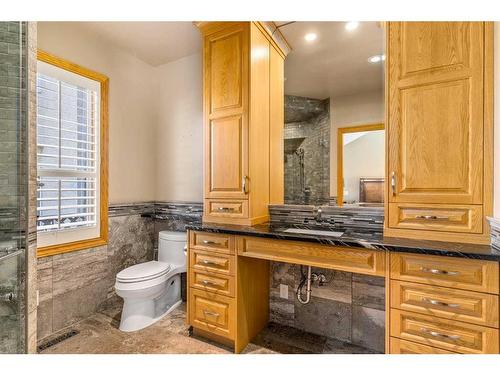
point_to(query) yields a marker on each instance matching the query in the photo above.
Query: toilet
(151, 290)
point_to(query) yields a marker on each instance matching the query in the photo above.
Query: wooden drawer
(407, 347)
(436, 217)
(209, 262)
(227, 208)
(469, 274)
(222, 243)
(214, 314)
(465, 306)
(212, 283)
(443, 333)
(369, 262)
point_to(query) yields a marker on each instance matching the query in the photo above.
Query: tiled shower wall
(307, 127)
(13, 182)
(348, 307)
(18, 175)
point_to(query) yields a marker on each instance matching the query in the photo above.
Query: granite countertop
(358, 238)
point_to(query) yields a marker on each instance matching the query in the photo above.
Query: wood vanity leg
(252, 300)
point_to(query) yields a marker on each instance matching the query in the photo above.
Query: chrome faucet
(318, 217)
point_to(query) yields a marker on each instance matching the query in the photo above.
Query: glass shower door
(13, 186)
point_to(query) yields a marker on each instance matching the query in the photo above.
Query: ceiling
(336, 63)
(156, 43)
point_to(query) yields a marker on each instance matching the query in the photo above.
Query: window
(71, 156)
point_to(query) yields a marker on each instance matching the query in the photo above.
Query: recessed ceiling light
(310, 37)
(350, 26)
(376, 58)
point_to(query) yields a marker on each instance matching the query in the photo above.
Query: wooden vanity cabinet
(437, 304)
(243, 116)
(228, 297)
(439, 130)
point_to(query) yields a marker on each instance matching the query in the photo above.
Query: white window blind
(68, 156)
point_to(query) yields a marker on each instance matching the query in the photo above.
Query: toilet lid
(143, 271)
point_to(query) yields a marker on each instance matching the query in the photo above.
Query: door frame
(340, 152)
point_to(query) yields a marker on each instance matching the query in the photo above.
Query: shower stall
(13, 185)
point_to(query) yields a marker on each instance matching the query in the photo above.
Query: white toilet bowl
(151, 290)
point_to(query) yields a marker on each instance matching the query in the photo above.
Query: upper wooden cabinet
(243, 122)
(439, 130)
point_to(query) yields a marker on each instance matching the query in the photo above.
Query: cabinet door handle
(439, 272)
(431, 217)
(244, 184)
(393, 183)
(208, 312)
(440, 335)
(439, 303)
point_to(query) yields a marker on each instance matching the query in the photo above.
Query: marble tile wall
(349, 307)
(74, 285)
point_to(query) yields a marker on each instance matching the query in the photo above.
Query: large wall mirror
(334, 113)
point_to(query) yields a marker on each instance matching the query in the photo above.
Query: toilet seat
(143, 272)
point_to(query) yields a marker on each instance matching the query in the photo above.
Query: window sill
(71, 246)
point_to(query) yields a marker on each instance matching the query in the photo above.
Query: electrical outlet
(284, 291)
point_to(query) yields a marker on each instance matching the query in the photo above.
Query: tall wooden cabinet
(439, 130)
(243, 122)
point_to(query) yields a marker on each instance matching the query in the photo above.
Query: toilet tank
(171, 246)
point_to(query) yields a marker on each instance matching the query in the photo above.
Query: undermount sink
(314, 232)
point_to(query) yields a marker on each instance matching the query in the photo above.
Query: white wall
(352, 110)
(132, 107)
(364, 157)
(179, 135)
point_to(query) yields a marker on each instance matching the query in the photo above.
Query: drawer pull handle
(211, 313)
(439, 272)
(439, 303)
(226, 209)
(441, 335)
(431, 217)
(206, 242)
(210, 263)
(206, 282)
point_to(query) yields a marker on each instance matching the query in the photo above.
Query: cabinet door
(435, 112)
(226, 156)
(225, 112)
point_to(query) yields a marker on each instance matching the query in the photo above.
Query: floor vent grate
(57, 340)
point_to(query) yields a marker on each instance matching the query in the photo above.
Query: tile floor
(100, 334)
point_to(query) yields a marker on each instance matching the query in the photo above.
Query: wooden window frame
(340, 153)
(102, 239)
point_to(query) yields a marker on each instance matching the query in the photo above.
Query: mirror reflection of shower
(306, 191)
(307, 150)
